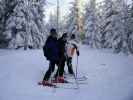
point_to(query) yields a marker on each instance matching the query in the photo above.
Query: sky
(64, 6)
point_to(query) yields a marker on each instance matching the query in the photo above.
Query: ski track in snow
(110, 76)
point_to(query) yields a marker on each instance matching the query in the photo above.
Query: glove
(77, 53)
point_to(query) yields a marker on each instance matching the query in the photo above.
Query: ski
(64, 81)
(48, 85)
(79, 80)
(52, 85)
(82, 78)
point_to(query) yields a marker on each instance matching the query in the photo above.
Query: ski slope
(110, 76)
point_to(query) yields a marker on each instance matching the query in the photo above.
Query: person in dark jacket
(62, 58)
(51, 52)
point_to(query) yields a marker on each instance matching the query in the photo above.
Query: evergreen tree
(25, 26)
(38, 32)
(106, 25)
(53, 21)
(6, 9)
(90, 24)
(120, 33)
(130, 29)
(2, 38)
(71, 22)
(109, 25)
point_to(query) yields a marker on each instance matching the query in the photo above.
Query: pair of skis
(78, 80)
(52, 84)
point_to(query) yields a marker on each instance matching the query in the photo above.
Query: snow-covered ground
(110, 76)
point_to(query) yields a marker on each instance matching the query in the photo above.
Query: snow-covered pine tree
(99, 37)
(130, 29)
(2, 37)
(25, 25)
(52, 23)
(53, 20)
(106, 24)
(62, 26)
(38, 32)
(16, 25)
(6, 8)
(126, 23)
(71, 22)
(120, 37)
(90, 24)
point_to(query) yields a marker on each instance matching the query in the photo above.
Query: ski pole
(76, 81)
(77, 68)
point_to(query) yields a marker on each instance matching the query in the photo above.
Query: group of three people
(57, 52)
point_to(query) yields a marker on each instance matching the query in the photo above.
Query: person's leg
(69, 64)
(60, 70)
(49, 71)
(59, 74)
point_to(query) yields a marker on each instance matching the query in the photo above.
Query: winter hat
(53, 31)
(73, 36)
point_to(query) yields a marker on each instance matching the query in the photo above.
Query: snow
(109, 76)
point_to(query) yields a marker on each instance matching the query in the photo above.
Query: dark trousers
(60, 70)
(69, 64)
(61, 66)
(50, 70)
